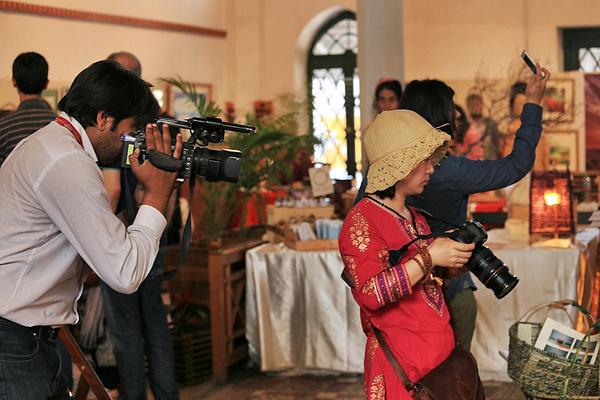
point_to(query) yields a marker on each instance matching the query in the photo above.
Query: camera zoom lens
(492, 272)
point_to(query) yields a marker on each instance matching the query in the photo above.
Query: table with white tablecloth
(545, 274)
(300, 314)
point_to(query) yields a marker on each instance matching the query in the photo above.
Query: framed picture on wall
(558, 101)
(179, 104)
(562, 149)
(51, 97)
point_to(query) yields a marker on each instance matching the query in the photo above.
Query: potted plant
(266, 157)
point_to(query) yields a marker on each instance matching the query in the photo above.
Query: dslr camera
(196, 158)
(488, 268)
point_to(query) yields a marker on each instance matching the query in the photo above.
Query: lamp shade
(551, 203)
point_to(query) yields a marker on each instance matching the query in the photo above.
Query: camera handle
(164, 161)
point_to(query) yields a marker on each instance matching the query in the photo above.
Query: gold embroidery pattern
(372, 346)
(384, 258)
(369, 287)
(359, 232)
(350, 263)
(433, 297)
(377, 390)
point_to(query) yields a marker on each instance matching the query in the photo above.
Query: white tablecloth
(299, 312)
(545, 274)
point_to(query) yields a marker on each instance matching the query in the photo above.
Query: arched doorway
(332, 77)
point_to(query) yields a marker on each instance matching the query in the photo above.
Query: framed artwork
(562, 149)
(558, 100)
(51, 97)
(178, 104)
(159, 94)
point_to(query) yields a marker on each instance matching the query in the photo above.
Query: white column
(380, 48)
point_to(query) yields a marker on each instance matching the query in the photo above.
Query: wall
(258, 59)
(455, 39)
(263, 46)
(69, 45)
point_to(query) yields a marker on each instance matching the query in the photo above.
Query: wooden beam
(67, 13)
(88, 379)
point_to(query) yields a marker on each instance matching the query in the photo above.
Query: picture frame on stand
(562, 149)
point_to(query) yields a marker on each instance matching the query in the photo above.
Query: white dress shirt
(53, 207)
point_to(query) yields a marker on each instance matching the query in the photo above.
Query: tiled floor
(251, 385)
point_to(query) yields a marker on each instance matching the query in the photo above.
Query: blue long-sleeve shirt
(447, 194)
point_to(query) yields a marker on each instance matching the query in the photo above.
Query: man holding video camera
(54, 208)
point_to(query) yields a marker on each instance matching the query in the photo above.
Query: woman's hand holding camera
(157, 183)
(448, 253)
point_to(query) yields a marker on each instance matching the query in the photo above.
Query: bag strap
(408, 385)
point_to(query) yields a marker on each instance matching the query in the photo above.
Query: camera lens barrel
(216, 165)
(488, 268)
(491, 271)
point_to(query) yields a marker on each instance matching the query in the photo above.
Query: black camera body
(197, 159)
(488, 268)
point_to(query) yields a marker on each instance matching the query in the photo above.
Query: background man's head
(517, 98)
(475, 105)
(30, 73)
(127, 61)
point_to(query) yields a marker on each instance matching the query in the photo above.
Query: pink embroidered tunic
(411, 316)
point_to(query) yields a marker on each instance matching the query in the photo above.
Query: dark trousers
(138, 326)
(30, 367)
(463, 310)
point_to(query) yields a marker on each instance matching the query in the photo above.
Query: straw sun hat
(396, 142)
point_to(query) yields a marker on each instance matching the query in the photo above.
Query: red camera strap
(67, 124)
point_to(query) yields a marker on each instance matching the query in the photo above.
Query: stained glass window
(581, 48)
(589, 59)
(334, 92)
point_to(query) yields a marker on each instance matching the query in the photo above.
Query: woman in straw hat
(397, 291)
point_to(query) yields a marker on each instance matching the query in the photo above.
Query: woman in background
(387, 95)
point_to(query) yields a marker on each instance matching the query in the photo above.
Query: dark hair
(30, 72)
(107, 87)
(391, 84)
(433, 100)
(462, 125)
(389, 192)
(517, 88)
(138, 66)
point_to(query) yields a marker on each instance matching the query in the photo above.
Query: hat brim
(395, 166)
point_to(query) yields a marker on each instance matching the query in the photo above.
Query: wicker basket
(542, 375)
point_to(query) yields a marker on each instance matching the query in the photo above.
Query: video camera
(196, 158)
(488, 268)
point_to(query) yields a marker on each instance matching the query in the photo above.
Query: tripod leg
(87, 371)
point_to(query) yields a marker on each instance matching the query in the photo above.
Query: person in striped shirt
(30, 78)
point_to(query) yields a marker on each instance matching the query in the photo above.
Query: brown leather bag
(457, 378)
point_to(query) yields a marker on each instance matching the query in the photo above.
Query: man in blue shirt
(447, 194)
